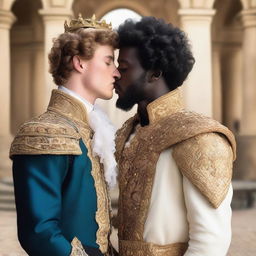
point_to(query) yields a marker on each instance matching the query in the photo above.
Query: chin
(124, 105)
(107, 96)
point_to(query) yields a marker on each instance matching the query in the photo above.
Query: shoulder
(210, 144)
(47, 134)
(206, 160)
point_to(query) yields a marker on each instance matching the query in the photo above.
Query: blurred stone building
(222, 83)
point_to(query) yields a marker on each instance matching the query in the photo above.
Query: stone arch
(227, 37)
(162, 8)
(47, 4)
(100, 8)
(27, 49)
(134, 6)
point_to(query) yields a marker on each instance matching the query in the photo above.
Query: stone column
(37, 101)
(246, 161)
(6, 21)
(198, 87)
(53, 26)
(217, 89)
(248, 125)
(232, 88)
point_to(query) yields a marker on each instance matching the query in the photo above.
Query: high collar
(68, 106)
(87, 104)
(165, 105)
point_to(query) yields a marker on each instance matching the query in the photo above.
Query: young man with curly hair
(175, 166)
(63, 160)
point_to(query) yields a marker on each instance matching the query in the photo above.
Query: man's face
(132, 82)
(101, 73)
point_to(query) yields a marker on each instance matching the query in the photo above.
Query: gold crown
(86, 23)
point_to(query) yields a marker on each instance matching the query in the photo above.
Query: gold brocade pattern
(58, 132)
(77, 248)
(137, 163)
(209, 152)
(165, 105)
(67, 106)
(46, 134)
(137, 248)
(103, 202)
(74, 109)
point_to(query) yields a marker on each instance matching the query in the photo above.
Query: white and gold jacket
(175, 183)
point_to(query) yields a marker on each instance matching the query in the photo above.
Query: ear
(78, 64)
(154, 75)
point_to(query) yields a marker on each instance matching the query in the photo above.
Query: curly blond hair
(82, 43)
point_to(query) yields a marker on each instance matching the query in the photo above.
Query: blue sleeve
(37, 182)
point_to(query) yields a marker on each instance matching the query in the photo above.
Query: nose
(117, 74)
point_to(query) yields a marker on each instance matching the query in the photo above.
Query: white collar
(87, 104)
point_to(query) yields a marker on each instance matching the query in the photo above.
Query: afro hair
(160, 46)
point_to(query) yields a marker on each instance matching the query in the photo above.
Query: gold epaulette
(47, 134)
(206, 160)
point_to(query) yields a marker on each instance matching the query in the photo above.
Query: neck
(159, 89)
(75, 84)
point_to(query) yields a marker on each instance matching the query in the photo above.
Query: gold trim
(77, 248)
(206, 160)
(58, 132)
(68, 106)
(165, 105)
(103, 203)
(138, 248)
(137, 163)
(46, 134)
(72, 108)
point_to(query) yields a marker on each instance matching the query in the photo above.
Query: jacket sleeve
(209, 228)
(37, 182)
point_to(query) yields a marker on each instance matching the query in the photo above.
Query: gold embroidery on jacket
(206, 160)
(103, 203)
(137, 163)
(58, 131)
(77, 248)
(138, 248)
(46, 134)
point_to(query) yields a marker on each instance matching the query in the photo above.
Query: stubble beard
(132, 96)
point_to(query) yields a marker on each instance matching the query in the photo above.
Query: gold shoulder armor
(47, 134)
(206, 160)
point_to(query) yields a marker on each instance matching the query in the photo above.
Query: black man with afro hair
(175, 166)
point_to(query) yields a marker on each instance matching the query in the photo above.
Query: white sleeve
(209, 228)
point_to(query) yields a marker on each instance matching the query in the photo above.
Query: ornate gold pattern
(77, 248)
(80, 22)
(137, 163)
(138, 248)
(103, 201)
(46, 134)
(165, 105)
(206, 160)
(67, 106)
(66, 122)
